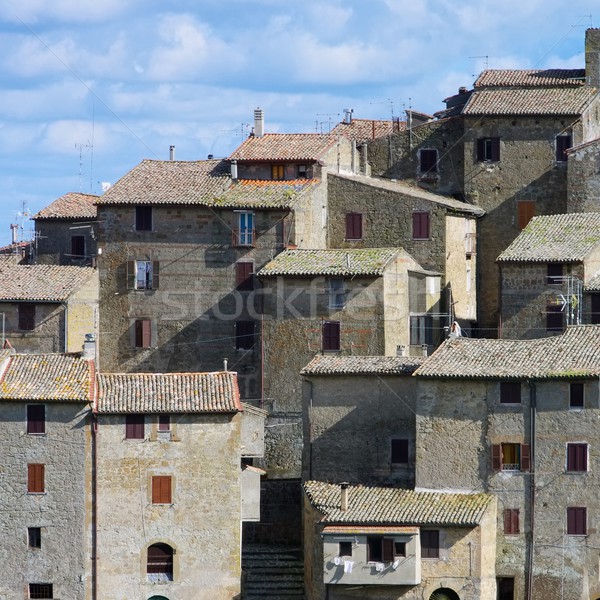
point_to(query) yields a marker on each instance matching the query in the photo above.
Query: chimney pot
(344, 496)
(259, 122)
(234, 170)
(171, 152)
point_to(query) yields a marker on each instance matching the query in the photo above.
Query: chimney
(259, 122)
(14, 228)
(348, 115)
(592, 57)
(234, 174)
(171, 152)
(225, 364)
(400, 350)
(462, 89)
(344, 496)
(89, 347)
(424, 349)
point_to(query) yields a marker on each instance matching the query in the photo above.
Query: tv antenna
(328, 121)
(487, 62)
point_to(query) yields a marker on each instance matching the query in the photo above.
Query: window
(277, 172)
(577, 455)
(420, 225)
(40, 590)
(554, 273)
(554, 318)
(160, 562)
(142, 333)
(510, 392)
(525, 212)
(576, 520)
(164, 422)
(421, 327)
(576, 395)
(428, 161)
(345, 549)
(354, 226)
(488, 149)
(244, 236)
(143, 218)
(142, 274)
(563, 143)
(511, 520)
(506, 588)
(330, 335)
(34, 537)
(383, 549)
(430, 543)
(511, 457)
(134, 427)
(161, 489)
(78, 246)
(337, 292)
(26, 316)
(244, 275)
(36, 419)
(595, 309)
(302, 172)
(35, 478)
(399, 451)
(244, 335)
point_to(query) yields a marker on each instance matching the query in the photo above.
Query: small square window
(36, 478)
(164, 422)
(36, 419)
(34, 537)
(577, 458)
(576, 520)
(134, 427)
(77, 246)
(142, 333)
(41, 590)
(26, 316)
(143, 274)
(511, 520)
(510, 392)
(554, 273)
(428, 159)
(277, 172)
(330, 335)
(576, 395)
(161, 489)
(302, 172)
(430, 543)
(143, 218)
(488, 149)
(399, 451)
(345, 549)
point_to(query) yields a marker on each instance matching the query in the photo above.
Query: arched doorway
(444, 594)
(158, 598)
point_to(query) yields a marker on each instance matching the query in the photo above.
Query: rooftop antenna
(487, 62)
(81, 147)
(389, 102)
(241, 131)
(321, 123)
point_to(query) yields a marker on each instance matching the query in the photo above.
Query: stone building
(46, 472)
(386, 543)
(359, 419)
(501, 146)
(66, 231)
(48, 308)
(518, 419)
(169, 484)
(548, 276)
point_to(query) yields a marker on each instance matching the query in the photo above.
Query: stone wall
(82, 314)
(584, 179)
(53, 239)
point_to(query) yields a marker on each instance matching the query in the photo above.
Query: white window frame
(246, 228)
(336, 287)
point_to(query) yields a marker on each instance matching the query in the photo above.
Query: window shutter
(143, 333)
(525, 457)
(131, 274)
(244, 271)
(420, 225)
(576, 395)
(525, 212)
(161, 489)
(507, 520)
(134, 427)
(35, 478)
(388, 550)
(354, 226)
(481, 149)
(495, 144)
(496, 457)
(155, 274)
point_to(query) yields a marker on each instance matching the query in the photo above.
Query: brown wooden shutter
(161, 489)
(134, 427)
(354, 226)
(143, 333)
(495, 149)
(155, 274)
(35, 478)
(388, 550)
(420, 225)
(525, 212)
(525, 457)
(481, 149)
(511, 520)
(243, 275)
(131, 274)
(496, 457)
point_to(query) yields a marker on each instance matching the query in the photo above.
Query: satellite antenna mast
(81, 147)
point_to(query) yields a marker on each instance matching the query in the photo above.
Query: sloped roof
(593, 285)
(63, 377)
(353, 261)
(285, 146)
(170, 182)
(552, 238)
(362, 130)
(73, 205)
(247, 193)
(408, 189)
(359, 365)
(530, 78)
(533, 101)
(387, 506)
(575, 353)
(42, 283)
(168, 393)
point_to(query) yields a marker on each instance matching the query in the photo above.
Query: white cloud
(69, 11)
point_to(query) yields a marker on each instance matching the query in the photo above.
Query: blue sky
(92, 87)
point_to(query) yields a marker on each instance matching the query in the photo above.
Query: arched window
(444, 594)
(160, 562)
(158, 598)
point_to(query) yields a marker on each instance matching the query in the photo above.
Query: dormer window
(302, 172)
(277, 172)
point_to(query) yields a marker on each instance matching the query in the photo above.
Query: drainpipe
(531, 536)
(94, 506)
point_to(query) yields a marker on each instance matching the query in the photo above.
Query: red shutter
(507, 520)
(496, 457)
(354, 226)
(134, 427)
(161, 489)
(35, 478)
(143, 333)
(525, 457)
(243, 275)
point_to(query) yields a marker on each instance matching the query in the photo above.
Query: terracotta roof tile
(168, 393)
(387, 506)
(264, 193)
(353, 261)
(44, 283)
(359, 365)
(362, 130)
(73, 205)
(62, 377)
(555, 238)
(530, 78)
(593, 285)
(575, 353)
(170, 182)
(285, 146)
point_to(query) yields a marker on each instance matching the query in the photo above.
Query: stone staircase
(272, 573)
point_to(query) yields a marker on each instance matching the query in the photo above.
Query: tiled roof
(358, 365)
(362, 130)
(536, 101)
(551, 238)
(386, 506)
(285, 146)
(593, 285)
(575, 353)
(263, 193)
(170, 182)
(73, 205)
(43, 283)
(530, 78)
(353, 261)
(46, 377)
(404, 187)
(168, 393)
